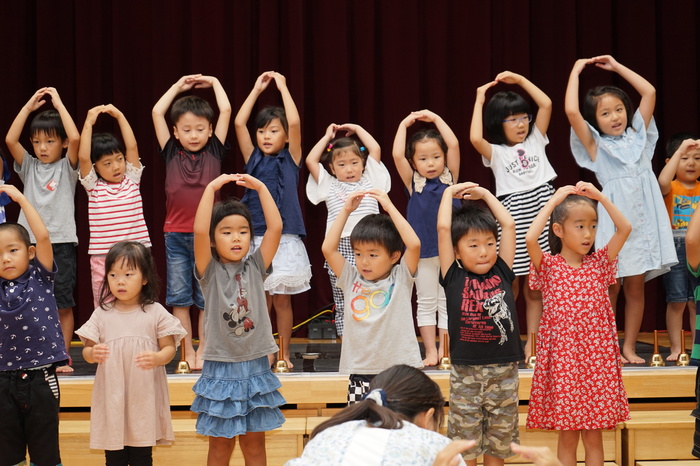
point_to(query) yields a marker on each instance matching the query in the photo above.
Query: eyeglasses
(516, 121)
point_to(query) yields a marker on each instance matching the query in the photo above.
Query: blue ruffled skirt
(233, 398)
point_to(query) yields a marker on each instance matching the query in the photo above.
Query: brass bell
(532, 360)
(656, 359)
(183, 367)
(281, 367)
(683, 358)
(445, 361)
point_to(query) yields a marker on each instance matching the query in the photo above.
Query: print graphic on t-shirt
(483, 310)
(52, 185)
(524, 165)
(368, 300)
(237, 317)
(683, 208)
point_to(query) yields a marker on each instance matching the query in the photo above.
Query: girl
(577, 386)
(237, 392)
(131, 337)
(339, 167)
(618, 146)
(427, 165)
(111, 176)
(275, 160)
(523, 173)
(396, 424)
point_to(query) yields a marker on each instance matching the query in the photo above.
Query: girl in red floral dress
(577, 386)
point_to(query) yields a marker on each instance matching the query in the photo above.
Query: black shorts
(64, 256)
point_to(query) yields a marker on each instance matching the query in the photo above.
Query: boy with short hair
(31, 341)
(379, 330)
(681, 195)
(49, 185)
(485, 345)
(192, 160)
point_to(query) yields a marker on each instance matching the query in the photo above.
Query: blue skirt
(233, 398)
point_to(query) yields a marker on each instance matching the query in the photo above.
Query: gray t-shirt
(379, 330)
(236, 321)
(50, 188)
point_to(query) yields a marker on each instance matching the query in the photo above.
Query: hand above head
(481, 91)
(92, 115)
(280, 80)
(589, 190)
(187, 82)
(35, 102)
(331, 131)
(508, 77)
(354, 199)
(425, 115)
(218, 182)
(409, 120)
(263, 81)
(562, 193)
(349, 128)
(605, 62)
(55, 98)
(381, 197)
(11, 191)
(461, 190)
(249, 181)
(111, 110)
(580, 64)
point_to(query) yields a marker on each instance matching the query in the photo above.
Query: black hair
(380, 229)
(19, 230)
(191, 104)
(560, 214)
(137, 256)
(339, 145)
(268, 114)
(593, 96)
(409, 392)
(104, 144)
(675, 141)
(472, 217)
(421, 136)
(224, 209)
(48, 122)
(501, 106)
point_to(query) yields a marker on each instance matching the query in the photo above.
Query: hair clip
(330, 146)
(363, 148)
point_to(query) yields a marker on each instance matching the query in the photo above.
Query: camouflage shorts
(484, 407)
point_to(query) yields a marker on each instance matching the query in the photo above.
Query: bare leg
(65, 316)
(183, 315)
(493, 461)
(674, 325)
(220, 451)
(427, 333)
(566, 446)
(285, 318)
(533, 313)
(593, 443)
(253, 448)
(634, 312)
(614, 292)
(199, 354)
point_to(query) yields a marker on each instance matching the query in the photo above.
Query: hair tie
(377, 395)
(330, 146)
(362, 148)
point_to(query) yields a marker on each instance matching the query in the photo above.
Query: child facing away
(193, 158)
(681, 190)
(617, 145)
(111, 177)
(517, 156)
(577, 385)
(274, 159)
(379, 329)
(338, 168)
(31, 341)
(237, 393)
(49, 183)
(427, 165)
(131, 338)
(485, 345)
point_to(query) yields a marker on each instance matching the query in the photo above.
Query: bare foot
(288, 360)
(431, 358)
(623, 359)
(632, 358)
(64, 369)
(198, 363)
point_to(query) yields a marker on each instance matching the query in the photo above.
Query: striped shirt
(115, 210)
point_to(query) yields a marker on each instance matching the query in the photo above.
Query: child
(237, 392)
(379, 329)
(350, 169)
(275, 159)
(49, 184)
(682, 196)
(523, 173)
(577, 385)
(427, 166)
(131, 337)
(115, 211)
(193, 158)
(618, 146)
(31, 342)
(485, 342)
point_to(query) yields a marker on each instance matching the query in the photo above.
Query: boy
(192, 160)
(379, 329)
(49, 185)
(681, 196)
(482, 322)
(31, 342)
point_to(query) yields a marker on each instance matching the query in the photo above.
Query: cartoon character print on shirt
(524, 165)
(237, 317)
(483, 308)
(367, 300)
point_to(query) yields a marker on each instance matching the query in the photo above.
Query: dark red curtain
(363, 61)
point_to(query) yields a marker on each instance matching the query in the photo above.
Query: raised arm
(313, 159)
(273, 220)
(161, 107)
(641, 85)
(623, 227)
(692, 241)
(669, 171)
(452, 156)
(222, 102)
(398, 151)
(335, 259)
(538, 225)
(476, 130)
(85, 162)
(408, 236)
(44, 251)
(72, 133)
(543, 102)
(506, 246)
(245, 143)
(573, 112)
(446, 251)
(16, 148)
(293, 120)
(132, 150)
(371, 144)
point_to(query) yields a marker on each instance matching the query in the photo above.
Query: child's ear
(395, 256)
(557, 229)
(175, 133)
(456, 252)
(65, 143)
(211, 130)
(666, 160)
(31, 250)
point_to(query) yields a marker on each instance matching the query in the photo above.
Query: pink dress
(577, 384)
(130, 406)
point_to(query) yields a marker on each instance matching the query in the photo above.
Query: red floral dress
(577, 384)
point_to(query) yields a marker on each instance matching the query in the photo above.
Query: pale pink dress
(130, 406)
